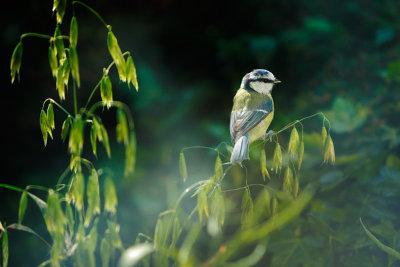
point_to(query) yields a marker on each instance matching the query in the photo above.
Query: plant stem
(91, 10)
(33, 34)
(58, 105)
(98, 84)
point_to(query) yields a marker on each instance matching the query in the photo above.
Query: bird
(252, 112)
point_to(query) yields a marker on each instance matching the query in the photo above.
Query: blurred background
(339, 57)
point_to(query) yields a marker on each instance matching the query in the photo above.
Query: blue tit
(252, 112)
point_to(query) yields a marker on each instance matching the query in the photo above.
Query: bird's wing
(242, 121)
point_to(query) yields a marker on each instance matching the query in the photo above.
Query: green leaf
(65, 128)
(78, 191)
(122, 129)
(93, 197)
(385, 248)
(106, 91)
(301, 154)
(54, 217)
(217, 204)
(103, 137)
(105, 251)
(43, 126)
(74, 61)
(22, 206)
(134, 255)
(73, 32)
(60, 82)
(116, 54)
(110, 196)
(263, 165)
(288, 180)
(24, 228)
(130, 155)
(76, 139)
(329, 151)
(218, 169)
(62, 4)
(52, 54)
(59, 43)
(277, 159)
(293, 141)
(324, 134)
(16, 59)
(247, 209)
(182, 166)
(5, 248)
(50, 116)
(202, 202)
(131, 73)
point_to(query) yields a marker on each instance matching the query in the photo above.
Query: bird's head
(259, 80)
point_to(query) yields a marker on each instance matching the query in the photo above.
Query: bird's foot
(269, 135)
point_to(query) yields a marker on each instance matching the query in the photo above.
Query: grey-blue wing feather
(242, 121)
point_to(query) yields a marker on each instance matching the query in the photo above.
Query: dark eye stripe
(264, 80)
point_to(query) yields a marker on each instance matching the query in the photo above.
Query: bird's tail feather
(241, 150)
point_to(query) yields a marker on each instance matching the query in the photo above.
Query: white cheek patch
(262, 88)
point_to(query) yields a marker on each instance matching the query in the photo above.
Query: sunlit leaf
(202, 203)
(65, 128)
(54, 217)
(74, 64)
(106, 91)
(73, 32)
(263, 165)
(23, 203)
(218, 169)
(116, 54)
(182, 166)
(76, 139)
(43, 126)
(288, 180)
(110, 196)
(16, 59)
(59, 43)
(122, 129)
(93, 197)
(329, 151)
(277, 159)
(60, 10)
(301, 154)
(134, 255)
(52, 54)
(4, 246)
(217, 204)
(131, 73)
(103, 137)
(60, 82)
(50, 116)
(293, 141)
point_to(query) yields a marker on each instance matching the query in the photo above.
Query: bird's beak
(277, 81)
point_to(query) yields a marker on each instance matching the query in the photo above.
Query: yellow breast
(260, 130)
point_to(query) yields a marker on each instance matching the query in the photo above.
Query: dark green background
(334, 56)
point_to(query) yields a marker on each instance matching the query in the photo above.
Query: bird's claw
(269, 135)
